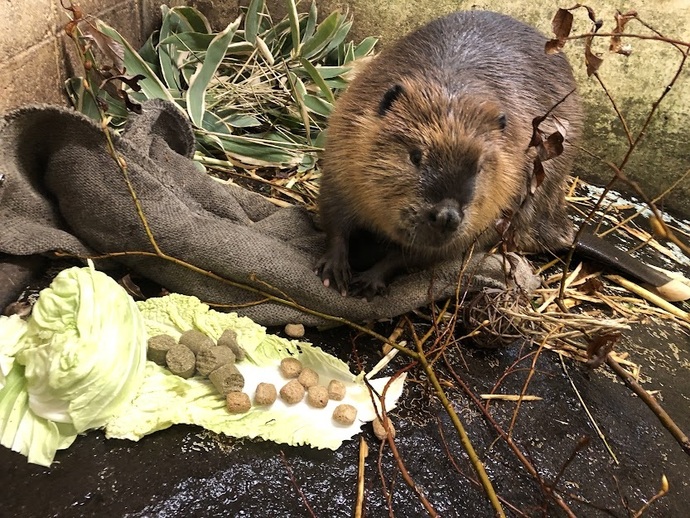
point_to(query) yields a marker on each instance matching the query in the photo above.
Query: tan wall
(35, 53)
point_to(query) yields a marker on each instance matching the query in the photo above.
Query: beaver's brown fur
(429, 147)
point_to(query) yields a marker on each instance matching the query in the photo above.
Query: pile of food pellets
(304, 380)
(197, 353)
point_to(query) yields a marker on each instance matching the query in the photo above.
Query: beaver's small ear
(389, 98)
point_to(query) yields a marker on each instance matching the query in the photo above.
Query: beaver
(429, 147)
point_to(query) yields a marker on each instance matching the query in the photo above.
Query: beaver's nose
(445, 216)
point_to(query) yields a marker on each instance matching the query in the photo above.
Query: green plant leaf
(315, 75)
(148, 52)
(337, 83)
(294, 27)
(318, 105)
(349, 54)
(299, 92)
(252, 20)
(196, 94)
(81, 99)
(215, 124)
(323, 35)
(365, 47)
(240, 120)
(310, 24)
(338, 38)
(260, 153)
(167, 53)
(326, 72)
(195, 20)
(190, 41)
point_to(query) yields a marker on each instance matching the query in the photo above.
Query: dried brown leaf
(538, 175)
(503, 224)
(592, 61)
(616, 44)
(552, 146)
(593, 18)
(600, 346)
(562, 24)
(591, 286)
(553, 46)
(112, 50)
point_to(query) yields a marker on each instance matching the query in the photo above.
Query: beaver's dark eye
(502, 121)
(416, 157)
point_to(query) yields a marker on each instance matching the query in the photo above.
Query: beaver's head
(438, 171)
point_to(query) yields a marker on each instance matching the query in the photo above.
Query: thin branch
(464, 438)
(653, 405)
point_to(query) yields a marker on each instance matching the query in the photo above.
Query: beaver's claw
(368, 284)
(334, 270)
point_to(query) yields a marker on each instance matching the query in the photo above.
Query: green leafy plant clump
(258, 93)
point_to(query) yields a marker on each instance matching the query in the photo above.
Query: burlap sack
(61, 190)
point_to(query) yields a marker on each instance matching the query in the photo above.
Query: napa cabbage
(74, 363)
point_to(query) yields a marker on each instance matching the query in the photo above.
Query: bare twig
(662, 491)
(296, 485)
(363, 453)
(653, 405)
(464, 438)
(589, 414)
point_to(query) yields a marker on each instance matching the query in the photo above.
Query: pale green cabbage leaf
(12, 330)
(78, 359)
(165, 399)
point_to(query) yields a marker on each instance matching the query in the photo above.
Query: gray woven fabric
(62, 190)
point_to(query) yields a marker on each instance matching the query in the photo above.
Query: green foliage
(258, 93)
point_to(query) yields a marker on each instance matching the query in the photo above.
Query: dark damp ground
(186, 471)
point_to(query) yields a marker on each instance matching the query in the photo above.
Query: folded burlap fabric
(61, 190)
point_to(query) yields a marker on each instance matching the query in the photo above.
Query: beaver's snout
(445, 217)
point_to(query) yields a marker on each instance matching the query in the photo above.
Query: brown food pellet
(292, 392)
(209, 359)
(308, 377)
(229, 339)
(196, 340)
(344, 414)
(237, 402)
(290, 367)
(265, 394)
(317, 396)
(294, 330)
(227, 378)
(158, 346)
(181, 361)
(380, 431)
(336, 390)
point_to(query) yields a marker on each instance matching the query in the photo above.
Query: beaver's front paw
(334, 270)
(368, 284)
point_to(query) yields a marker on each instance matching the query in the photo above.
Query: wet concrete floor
(185, 471)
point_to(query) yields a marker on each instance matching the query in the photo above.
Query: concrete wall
(35, 54)
(35, 60)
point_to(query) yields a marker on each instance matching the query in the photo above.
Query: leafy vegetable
(12, 330)
(165, 399)
(79, 359)
(79, 363)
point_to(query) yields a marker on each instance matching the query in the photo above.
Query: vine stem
(464, 438)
